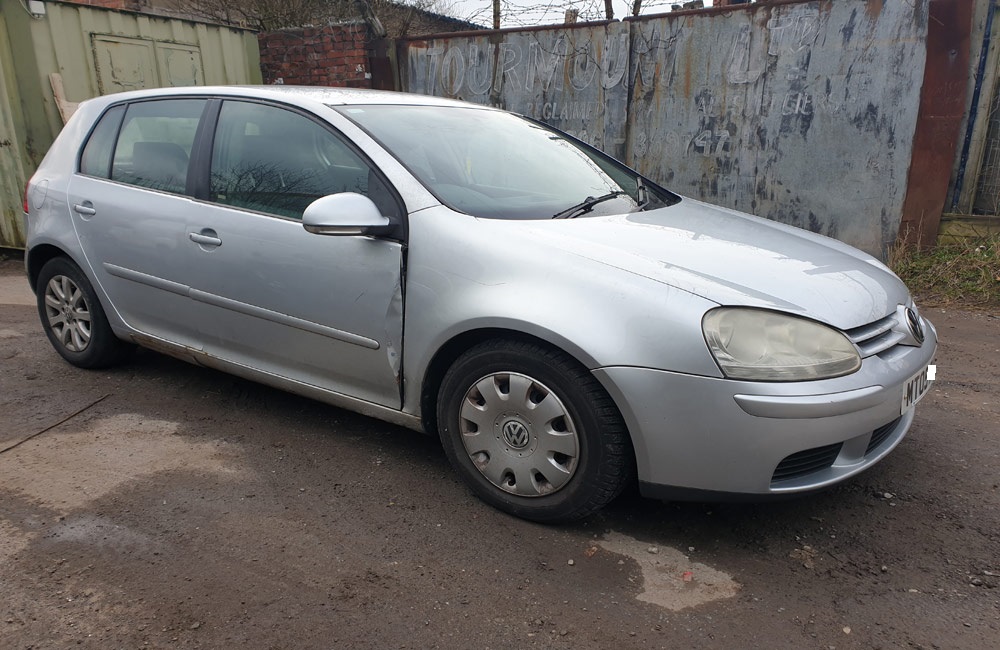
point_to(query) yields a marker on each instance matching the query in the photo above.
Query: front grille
(879, 435)
(877, 337)
(806, 462)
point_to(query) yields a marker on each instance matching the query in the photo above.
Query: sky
(522, 13)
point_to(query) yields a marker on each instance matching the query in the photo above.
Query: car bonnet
(735, 259)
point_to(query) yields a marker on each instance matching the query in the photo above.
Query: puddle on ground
(671, 579)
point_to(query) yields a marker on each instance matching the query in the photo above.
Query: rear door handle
(206, 237)
(85, 208)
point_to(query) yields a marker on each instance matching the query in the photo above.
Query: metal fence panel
(575, 79)
(802, 112)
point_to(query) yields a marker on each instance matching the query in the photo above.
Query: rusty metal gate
(974, 209)
(987, 197)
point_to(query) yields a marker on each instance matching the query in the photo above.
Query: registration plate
(916, 387)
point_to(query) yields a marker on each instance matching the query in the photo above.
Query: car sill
(333, 398)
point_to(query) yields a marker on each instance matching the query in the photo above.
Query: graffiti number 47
(711, 142)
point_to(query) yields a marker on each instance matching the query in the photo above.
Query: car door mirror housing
(346, 214)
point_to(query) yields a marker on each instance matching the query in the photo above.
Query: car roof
(294, 94)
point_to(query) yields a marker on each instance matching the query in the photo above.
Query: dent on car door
(128, 201)
(326, 311)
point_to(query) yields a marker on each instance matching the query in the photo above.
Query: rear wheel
(73, 318)
(532, 432)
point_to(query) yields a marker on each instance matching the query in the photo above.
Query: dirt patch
(12, 541)
(102, 456)
(192, 509)
(670, 578)
(14, 289)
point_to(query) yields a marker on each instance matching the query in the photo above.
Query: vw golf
(564, 324)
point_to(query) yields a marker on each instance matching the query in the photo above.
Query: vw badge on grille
(913, 322)
(515, 434)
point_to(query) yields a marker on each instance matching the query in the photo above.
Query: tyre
(532, 432)
(73, 318)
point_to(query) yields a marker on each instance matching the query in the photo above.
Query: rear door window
(155, 142)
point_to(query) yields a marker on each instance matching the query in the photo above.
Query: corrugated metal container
(12, 160)
(94, 51)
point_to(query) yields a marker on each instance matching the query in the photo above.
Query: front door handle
(86, 208)
(206, 237)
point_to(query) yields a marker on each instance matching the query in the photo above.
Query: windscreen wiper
(641, 193)
(586, 205)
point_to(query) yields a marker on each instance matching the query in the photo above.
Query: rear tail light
(26, 186)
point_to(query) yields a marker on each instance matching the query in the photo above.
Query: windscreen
(493, 164)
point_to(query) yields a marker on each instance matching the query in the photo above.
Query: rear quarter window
(96, 157)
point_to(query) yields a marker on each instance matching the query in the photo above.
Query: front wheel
(532, 432)
(73, 318)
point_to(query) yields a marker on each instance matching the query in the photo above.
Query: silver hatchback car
(564, 324)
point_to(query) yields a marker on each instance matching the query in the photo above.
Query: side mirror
(345, 214)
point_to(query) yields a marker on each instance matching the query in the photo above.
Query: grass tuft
(964, 274)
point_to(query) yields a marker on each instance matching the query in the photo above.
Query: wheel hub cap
(518, 434)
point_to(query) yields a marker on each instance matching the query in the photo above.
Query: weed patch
(966, 274)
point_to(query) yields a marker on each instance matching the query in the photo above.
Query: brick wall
(335, 55)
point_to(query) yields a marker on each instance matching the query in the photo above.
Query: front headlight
(764, 345)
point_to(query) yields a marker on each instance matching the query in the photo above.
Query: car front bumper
(709, 438)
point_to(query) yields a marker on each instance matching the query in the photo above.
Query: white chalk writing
(711, 142)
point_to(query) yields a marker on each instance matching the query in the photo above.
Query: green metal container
(56, 54)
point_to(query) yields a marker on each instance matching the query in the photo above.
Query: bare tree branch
(399, 18)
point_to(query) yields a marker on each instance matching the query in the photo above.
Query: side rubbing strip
(283, 319)
(151, 280)
(241, 307)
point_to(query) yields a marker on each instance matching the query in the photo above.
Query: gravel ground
(163, 505)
